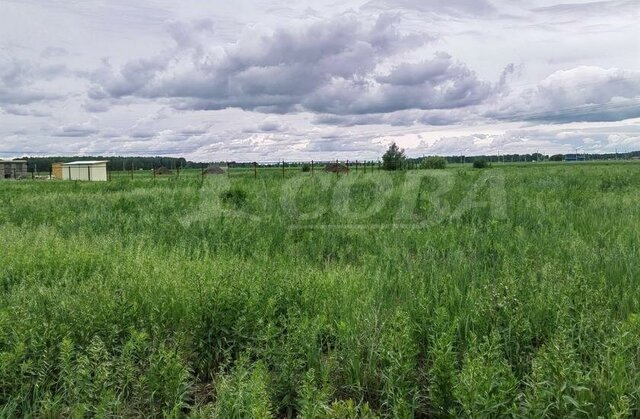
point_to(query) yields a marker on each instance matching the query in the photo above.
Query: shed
(13, 169)
(85, 170)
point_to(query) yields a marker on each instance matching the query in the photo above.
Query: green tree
(394, 158)
(557, 157)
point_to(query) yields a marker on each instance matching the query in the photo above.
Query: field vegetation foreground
(322, 297)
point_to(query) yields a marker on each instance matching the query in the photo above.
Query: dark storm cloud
(440, 83)
(132, 78)
(333, 68)
(328, 67)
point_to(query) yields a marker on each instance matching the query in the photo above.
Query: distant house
(574, 157)
(13, 169)
(84, 170)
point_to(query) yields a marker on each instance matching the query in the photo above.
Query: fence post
(311, 168)
(228, 171)
(347, 172)
(282, 169)
(255, 170)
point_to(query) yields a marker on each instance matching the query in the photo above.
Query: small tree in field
(393, 158)
(434, 163)
(480, 164)
(557, 157)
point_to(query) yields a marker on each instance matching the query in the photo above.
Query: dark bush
(234, 197)
(434, 163)
(480, 164)
(306, 167)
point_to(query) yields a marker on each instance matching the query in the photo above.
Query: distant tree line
(394, 159)
(43, 164)
(508, 158)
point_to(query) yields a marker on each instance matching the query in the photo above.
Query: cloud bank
(266, 79)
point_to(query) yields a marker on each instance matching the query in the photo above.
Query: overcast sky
(281, 79)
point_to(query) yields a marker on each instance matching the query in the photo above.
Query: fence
(280, 168)
(230, 169)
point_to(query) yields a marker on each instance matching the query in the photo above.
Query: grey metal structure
(13, 169)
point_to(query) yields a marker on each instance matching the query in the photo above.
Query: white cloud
(256, 79)
(584, 93)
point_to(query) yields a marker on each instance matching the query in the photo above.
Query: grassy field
(513, 290)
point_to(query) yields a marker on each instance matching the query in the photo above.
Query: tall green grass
(139, 298)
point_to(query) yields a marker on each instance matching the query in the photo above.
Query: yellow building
(56, 171)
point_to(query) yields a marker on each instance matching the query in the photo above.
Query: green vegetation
(241, 297)
(434, 163)
(480, 164)
(393, 158)
(557, 157)
(235, 197)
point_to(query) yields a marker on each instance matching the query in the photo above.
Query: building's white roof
(84, 163)
(12, 161)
